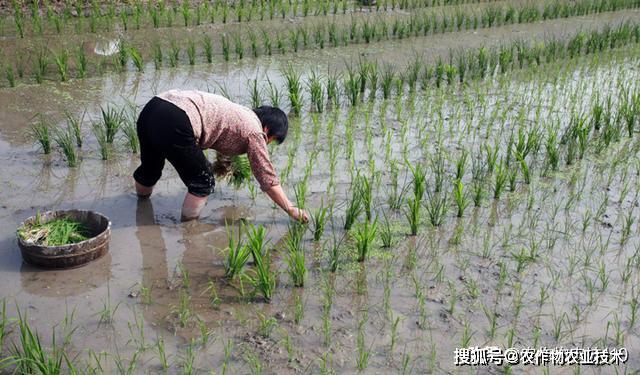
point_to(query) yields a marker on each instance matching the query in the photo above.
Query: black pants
(165, 132)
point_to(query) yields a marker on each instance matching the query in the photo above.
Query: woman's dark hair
(275, 120)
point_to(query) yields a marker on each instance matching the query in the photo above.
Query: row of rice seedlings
(523, 164)
(505, 56)
(158, 15)
(354, 82)
(419, 25)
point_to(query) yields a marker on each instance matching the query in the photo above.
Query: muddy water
(149, 243)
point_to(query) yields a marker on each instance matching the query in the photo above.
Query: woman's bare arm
(280, 198)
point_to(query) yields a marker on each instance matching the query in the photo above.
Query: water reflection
(67, 282)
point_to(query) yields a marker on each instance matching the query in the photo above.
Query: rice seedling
(65, 138)
(123, 54)
(207, 45)
(4, 325)
(292, 78)
(316, 91)
(266, 44)
(253, 40)
(334, 252)
(256, 100)
(478, 192)
(42, 62)
(460, 197)
(9, 73)
(130, 133)
(300, 191)
(266, 325)
(363, 352)
(365, 190)
(108, 311)
(262, 277)
(182, 311)
(100, 132)
(191, 52)
(365, 235)
(461, 165)
(295, 256)
(333, 92)
(184, 275)
(237, 254)
(294, 40)
(238, 46)
(524, 167)
(352, 86)
(280, 44)
(112, 121)
(189, 359)
(437, 204)
(354, 207)
(40, 132)
(228, 348)
(174, 53)
(273, 93)
(62, 64)
(136, 57)
(552, 152)
(19, 22)
(386, 233)
(29, 355)
(185, 10)
(501, 175)
(319, 220)
(81, 61)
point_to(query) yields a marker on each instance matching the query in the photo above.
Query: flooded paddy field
(479, 188)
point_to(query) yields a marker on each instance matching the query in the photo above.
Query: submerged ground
(543, 253)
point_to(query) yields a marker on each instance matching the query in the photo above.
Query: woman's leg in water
(192, 206)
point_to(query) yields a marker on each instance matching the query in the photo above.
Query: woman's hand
(278, 196)
(299, 214)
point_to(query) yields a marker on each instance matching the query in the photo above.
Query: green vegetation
(56, 232)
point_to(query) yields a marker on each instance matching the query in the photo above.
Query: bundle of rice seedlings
(57, 232)
(235, 169)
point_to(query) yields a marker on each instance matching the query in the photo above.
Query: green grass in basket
(57, 232)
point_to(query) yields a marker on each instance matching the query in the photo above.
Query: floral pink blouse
(228, 128)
